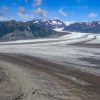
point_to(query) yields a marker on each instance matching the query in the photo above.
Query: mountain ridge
(41, 28)
(85, 27)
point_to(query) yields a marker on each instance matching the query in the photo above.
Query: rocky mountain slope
(13, 30)
(86, 27)
(41, 28)
(50, 24)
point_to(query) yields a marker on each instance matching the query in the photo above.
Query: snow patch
(36, 22)
(58, 29)
(55, 22)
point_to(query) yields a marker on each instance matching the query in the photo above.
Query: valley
(61, 68)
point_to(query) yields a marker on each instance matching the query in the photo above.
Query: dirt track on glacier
(29, 78)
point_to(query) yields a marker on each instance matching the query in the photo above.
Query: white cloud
(37, 2)
(62, 12)
(5, 8)
(1, 18)
(56, 17)
(68, 22)
(1, 13)
(23, 15)
(92, 15)
(41, 12)
(22, 10)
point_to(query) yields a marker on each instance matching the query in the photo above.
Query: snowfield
(76, 50)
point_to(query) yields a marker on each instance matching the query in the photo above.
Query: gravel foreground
(30, 78)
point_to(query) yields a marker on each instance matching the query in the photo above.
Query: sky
(65, 10)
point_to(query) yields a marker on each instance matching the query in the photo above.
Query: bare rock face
(86, 27)
(17, 35)
(41, 28)
(13, 30)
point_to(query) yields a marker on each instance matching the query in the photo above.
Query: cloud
(5, 8)
(1, 18)
(22, 10)
(1, 13)
(37, 2)
(56, 17)
(22, 13)
(41, 12)
(92, 15)
(62, 12)
(23, 16)
(68, 22)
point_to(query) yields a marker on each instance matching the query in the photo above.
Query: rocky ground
(29, 78)
(63, 68)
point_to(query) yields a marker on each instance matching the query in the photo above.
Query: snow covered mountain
(13, 30)
(40, 28)
(58, 25)
(86, 27)
(50, 24)
(37, 28)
